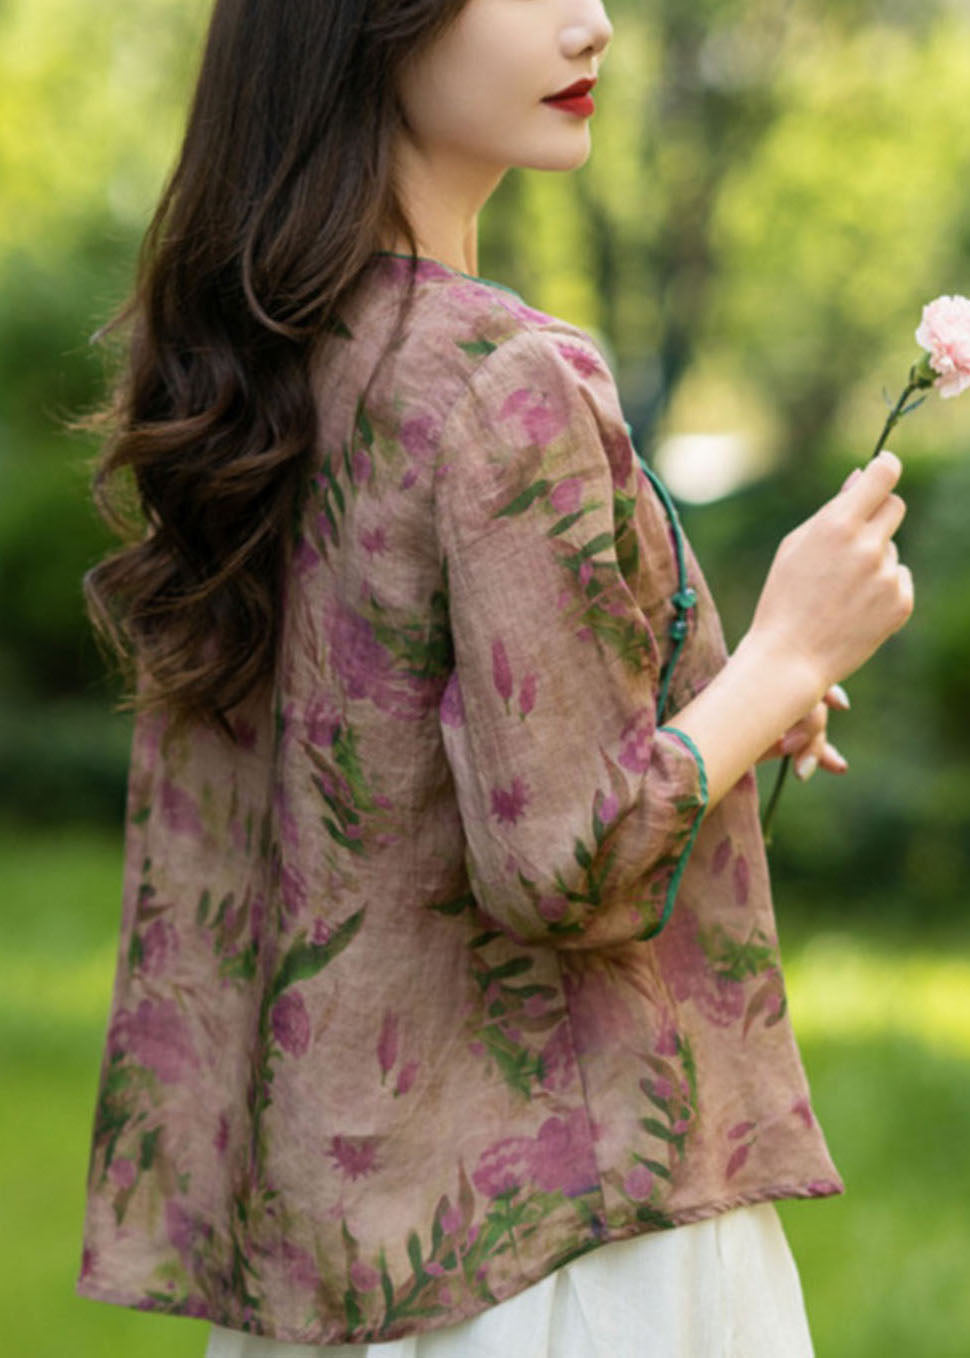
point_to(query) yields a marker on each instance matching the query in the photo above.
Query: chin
(562, 157)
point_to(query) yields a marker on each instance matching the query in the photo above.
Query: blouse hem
(288, 1335)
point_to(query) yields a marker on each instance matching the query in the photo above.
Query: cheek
(477, 92)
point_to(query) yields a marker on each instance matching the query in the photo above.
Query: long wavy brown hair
(282, 191)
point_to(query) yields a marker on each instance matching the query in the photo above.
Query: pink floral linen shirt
(442, 976)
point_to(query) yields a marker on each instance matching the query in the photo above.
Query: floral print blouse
(441, 976)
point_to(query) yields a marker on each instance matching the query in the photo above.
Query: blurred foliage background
(776, 189)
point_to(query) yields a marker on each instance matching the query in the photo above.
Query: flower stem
(920, 375)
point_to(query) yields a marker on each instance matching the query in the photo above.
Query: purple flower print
(450, 1220)
(501, 670)
(419, 437)
(305, 558)
(159, 945)
(321, 931)
(245, 733)
(540, 419)
(362, 466)
(638, 1184)
(356, 655)
(689, 974)
(508, 805)
(406, 1077)
(742, 879)
(387, 1043)
(740, 1129)
(636, 739)
(503, 1167)
(301, 1268)
(294, 891)
(667, 1042)
(802, 1108)
(354, 1156)
(609, 808)
(366, 669)
(363, 1277)
(558, 1063)
(552, 908)
(291, 1023)
(822, 1188)
(180, 1227)
(123, 1173)
(600, 1016)
(619, 451)
(562, 1156)
(451, 709)
(322, 723)
(736, 1160)
(179, 811)
(527, 694)
(579, 359)
(721, 856)
(374, 541)
(221, 1139)
(156, 1036)
(566, 495)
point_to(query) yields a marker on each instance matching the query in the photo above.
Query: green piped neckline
(475, 278)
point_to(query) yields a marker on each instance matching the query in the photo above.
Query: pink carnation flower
(945, 332)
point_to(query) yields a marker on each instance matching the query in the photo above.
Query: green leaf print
(582, 855)
(477, 348)
(363, 424)
(656, 1128)
(522, 501)
(566, 523)
(414, 1254)
(304, 960)
(598, 544)
(148, 1147)
(352, 1311)
(466, 901)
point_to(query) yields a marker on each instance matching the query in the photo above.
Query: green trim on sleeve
(691, 838)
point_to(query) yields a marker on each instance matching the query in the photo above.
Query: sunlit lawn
(884, 1025)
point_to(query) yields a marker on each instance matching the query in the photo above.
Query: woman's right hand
(836, 591)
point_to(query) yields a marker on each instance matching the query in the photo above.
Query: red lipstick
(575, 98)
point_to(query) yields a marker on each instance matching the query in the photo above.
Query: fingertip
(891, 460)
(852, 478)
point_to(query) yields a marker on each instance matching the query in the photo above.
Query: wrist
(789, 678)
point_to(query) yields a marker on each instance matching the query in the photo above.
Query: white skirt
(726, 1287)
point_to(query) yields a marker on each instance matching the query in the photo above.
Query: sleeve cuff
(700, 800)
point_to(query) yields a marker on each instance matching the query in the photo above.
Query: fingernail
(840, 696)
(790, 743)
(833, 753)
(806, 767)
(852, 478)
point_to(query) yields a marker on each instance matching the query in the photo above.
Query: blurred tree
(776, 187)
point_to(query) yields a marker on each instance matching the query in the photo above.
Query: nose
(591, 31)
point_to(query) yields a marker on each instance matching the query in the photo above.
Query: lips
(574, 91)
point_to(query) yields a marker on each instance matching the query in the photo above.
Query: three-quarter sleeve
(579, 812)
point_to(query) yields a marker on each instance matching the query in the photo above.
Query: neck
(442, 199)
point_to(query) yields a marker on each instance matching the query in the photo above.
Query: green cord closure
(685, 599)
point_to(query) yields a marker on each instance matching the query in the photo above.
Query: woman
(448, 1012)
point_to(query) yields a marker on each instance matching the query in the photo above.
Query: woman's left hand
(806, 741)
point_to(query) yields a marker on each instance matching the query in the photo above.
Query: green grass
(884, 1027)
